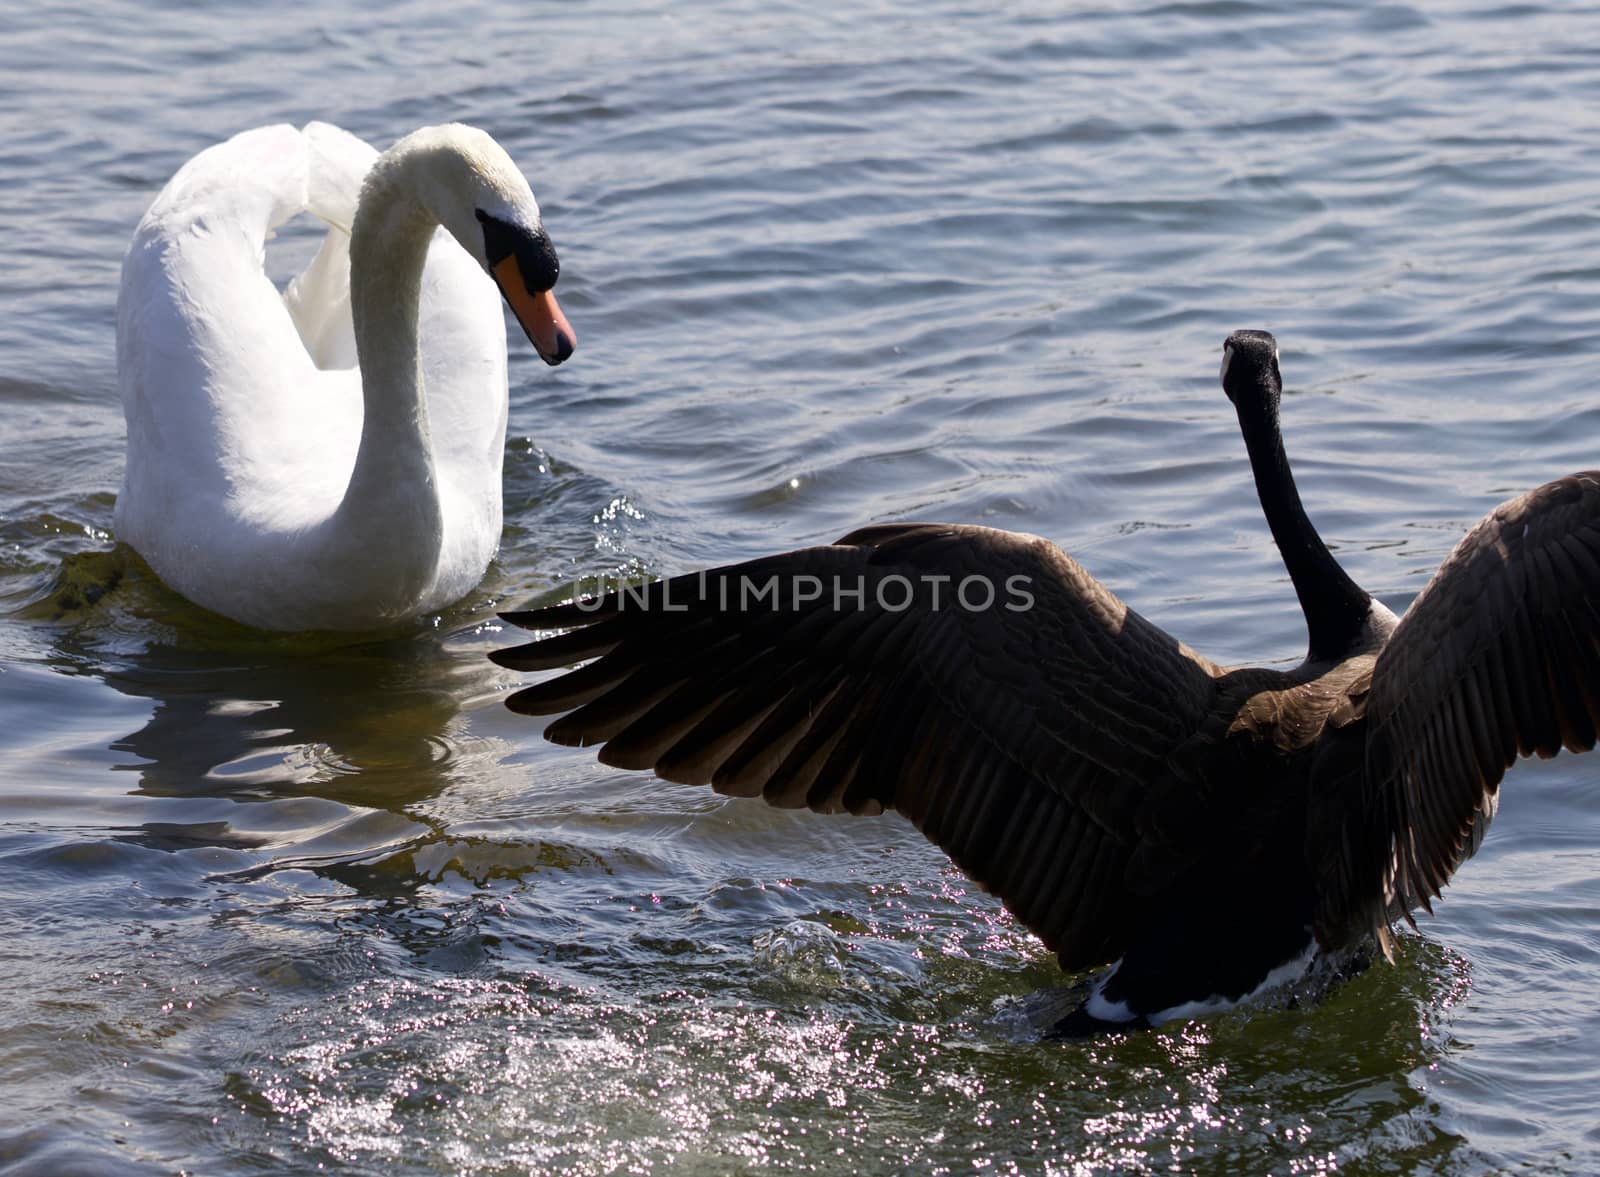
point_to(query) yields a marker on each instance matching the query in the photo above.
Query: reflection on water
(369, 724)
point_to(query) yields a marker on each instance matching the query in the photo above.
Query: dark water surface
(269, 904)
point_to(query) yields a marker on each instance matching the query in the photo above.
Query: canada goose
(1208, 828)
(272, 477)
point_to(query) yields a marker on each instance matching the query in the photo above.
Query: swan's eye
(536, 256)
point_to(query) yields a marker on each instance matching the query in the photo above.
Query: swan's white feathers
(339, 163)
(462, 158)
(319, 298)
(245, 408)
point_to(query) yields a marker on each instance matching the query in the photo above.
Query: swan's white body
(268, 477)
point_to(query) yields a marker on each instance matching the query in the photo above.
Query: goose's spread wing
(978, 681)
(1499, 657)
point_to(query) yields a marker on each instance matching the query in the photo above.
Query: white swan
(268, 477)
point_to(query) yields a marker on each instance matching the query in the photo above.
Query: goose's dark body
(1129, 800)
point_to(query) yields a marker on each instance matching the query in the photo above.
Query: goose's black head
(1250, 371)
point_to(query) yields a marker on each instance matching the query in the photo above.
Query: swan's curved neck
(388, 246)
(1336, 608)
(392, 499)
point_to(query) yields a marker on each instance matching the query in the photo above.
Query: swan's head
(1250, 370)
(469, 183)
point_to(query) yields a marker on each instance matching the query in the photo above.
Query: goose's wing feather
(1499, 657)
(1025, 737)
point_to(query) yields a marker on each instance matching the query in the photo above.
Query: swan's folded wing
(1499, 657)
(337, 164)
(318, 298)
(978, 681)
(217, 385)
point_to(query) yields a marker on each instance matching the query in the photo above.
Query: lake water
(273, 905)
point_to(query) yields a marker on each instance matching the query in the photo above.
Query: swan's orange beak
(540, 315)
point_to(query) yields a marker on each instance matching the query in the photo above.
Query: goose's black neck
(1336, 608)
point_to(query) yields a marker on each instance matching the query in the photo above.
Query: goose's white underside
(244, 405)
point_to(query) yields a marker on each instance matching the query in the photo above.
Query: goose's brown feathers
(1123, 795)
(1498, 657)
(1024, 737)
